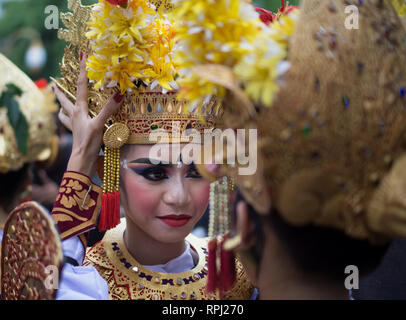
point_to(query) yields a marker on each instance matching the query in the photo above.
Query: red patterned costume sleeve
(77, 206)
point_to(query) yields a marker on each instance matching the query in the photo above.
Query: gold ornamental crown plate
(116, 135)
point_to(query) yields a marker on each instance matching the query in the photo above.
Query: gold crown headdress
(130, 47)
(27, 126)
(332, 142)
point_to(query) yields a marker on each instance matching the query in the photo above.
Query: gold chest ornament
(129, 280)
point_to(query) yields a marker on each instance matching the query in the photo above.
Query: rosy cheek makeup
(141, 198)
(201, 196)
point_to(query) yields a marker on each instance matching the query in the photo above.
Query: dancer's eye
(152, 173)
(193, 173)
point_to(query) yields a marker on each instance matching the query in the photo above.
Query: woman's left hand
(87, 131)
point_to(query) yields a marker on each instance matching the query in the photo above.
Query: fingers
(109, 109)
(66, 104)
(66, 121)
(83, 81)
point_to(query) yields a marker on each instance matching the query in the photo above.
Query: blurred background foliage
(273, 5)
(23, 35)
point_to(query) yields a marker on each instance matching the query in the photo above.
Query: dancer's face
(165, 201)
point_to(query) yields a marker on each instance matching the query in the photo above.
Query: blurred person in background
(46, 180)
(332, 146)
(27, 135)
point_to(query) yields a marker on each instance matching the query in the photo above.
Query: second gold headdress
(27, 126)
(330, 113)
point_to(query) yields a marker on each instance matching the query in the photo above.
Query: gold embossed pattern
(30, 245)
(127, 279)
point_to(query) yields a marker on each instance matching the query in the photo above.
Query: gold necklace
(128, 279)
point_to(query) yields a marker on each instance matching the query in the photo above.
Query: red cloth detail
(74, 226)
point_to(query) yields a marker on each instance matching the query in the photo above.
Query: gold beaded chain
(219, 221)
(111, 178)
(105, 171)
(213, 210)
(116, 161)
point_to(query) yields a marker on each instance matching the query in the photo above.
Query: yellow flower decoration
(400, 6)
(161, 68)
(130, 43)
(230, 33)
(259, 70)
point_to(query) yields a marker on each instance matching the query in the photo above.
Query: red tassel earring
(110, 212)
(212, 277)
(227, 257)
(227, 273)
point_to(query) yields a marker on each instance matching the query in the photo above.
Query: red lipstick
(175, 220)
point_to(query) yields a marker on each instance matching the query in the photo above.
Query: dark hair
(326, 251)
(318, 250)
(11, 184)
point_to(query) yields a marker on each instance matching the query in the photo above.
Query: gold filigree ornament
(27, 126)
(144, 105)
(147, 83)
(116, 135)
(31, 255)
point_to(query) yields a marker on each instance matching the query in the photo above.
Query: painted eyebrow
(151, 162)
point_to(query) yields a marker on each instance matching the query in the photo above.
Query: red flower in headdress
(265, 16)
(268, 17)
(118, 2)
